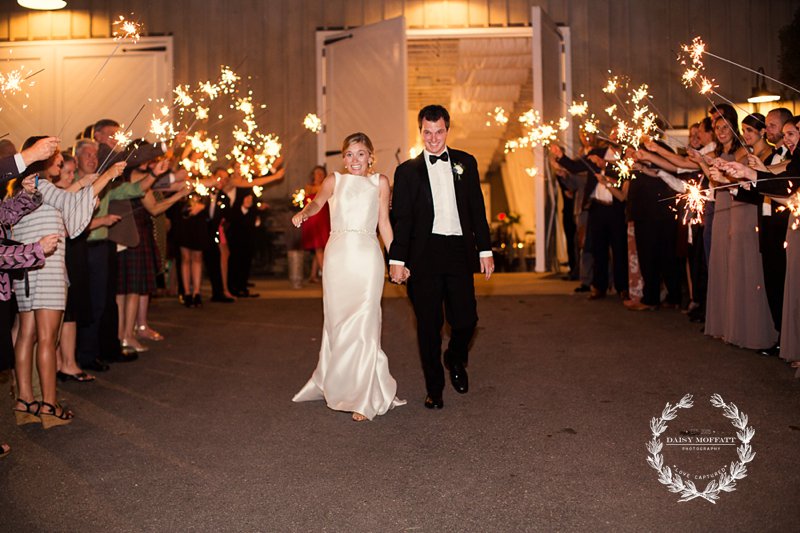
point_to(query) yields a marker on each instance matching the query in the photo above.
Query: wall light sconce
(760, 93)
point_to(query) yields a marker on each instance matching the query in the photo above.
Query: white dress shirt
(445, 210)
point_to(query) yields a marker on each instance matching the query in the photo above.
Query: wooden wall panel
(478, 13)
(273, 40)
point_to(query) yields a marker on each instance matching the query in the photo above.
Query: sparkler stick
(706, 52)
(128, 30)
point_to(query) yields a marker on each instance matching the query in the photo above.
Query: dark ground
(201, 435)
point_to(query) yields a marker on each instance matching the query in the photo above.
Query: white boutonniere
(458, 170)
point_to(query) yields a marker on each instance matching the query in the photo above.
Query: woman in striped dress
(42, 298)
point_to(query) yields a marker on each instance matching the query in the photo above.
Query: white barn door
(62, 102)
(363, 80)
(551, 90)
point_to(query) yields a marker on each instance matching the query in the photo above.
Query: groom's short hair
(432, 113)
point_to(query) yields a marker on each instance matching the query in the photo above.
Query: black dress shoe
(96, 366)
(222, 299)
(772, 351)
(582, 288)
(459, 377)
(434, 402)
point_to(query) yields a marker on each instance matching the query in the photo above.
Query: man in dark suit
(219, 204)
(440, 238)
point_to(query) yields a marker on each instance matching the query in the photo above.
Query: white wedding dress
(353, 372)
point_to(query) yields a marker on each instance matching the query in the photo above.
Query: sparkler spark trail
(312, 123)
(126, 29)
(123, 139)
(498, 116)
(578, 109)
(696, 199)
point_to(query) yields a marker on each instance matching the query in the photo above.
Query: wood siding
(272, 41)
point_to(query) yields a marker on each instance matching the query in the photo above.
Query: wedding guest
(42, 297)
(216, 252)
(773, 220)
(98, 340)
(78, 308)
(317, 230)
(138, 265)
(17, 257)
(737, 310)
(779, 186)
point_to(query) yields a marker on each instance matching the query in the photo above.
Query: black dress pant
(655, 245)
(570, 229)
(98, 339)
(443, 287)
(773, 261)
(609, 230)
(241, 247)
(6, 345)
(211, 258)
(699, 268)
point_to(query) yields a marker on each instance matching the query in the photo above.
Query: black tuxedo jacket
(412, 210)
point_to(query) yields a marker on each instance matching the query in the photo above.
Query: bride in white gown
(353, 372)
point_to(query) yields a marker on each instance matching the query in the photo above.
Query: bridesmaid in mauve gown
(353, 371)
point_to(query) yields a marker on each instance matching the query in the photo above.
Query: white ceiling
(471, 77)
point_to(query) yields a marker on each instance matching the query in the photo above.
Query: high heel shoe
(128, 347)
(52, 419)
(145, 332)
(29, 415)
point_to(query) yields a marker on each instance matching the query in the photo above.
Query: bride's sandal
(54, 418)
(29, 415)
(5, 449)
(358, 417)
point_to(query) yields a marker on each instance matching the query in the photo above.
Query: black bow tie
(434, 158)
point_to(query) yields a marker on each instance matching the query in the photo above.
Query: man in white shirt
(441, 237)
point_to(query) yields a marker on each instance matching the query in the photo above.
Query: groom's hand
(396, 273)
(487, 266)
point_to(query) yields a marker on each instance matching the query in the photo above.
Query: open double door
(363, 86)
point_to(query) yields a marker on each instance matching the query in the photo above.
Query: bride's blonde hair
(362, 138)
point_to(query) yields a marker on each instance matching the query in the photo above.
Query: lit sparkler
(498, 116)
(578, 109)
(122, 138)
(126, 29)
(696, 199)
(313, 123)
(299, 198)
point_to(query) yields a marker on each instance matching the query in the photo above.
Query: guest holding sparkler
(737, 309)
(138, 265)
(772, 220)
(42, 297)
(780, 186)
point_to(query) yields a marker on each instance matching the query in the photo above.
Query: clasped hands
(399, 274)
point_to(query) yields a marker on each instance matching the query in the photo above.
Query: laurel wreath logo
(727, 480)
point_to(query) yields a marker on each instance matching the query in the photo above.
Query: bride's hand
(298, 219)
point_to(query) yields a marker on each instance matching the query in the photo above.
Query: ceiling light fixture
(43, 5)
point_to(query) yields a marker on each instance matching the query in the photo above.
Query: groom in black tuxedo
(440, 238)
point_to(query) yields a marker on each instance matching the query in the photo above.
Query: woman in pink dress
(317, 229)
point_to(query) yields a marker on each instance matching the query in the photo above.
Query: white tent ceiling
(471, 77)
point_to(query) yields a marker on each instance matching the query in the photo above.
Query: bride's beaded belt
(363, 231)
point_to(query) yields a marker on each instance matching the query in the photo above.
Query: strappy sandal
(5, 449)
(29, 415)
(52, 419)
(358, 417)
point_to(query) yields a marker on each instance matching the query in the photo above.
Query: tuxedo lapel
(425, 180)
